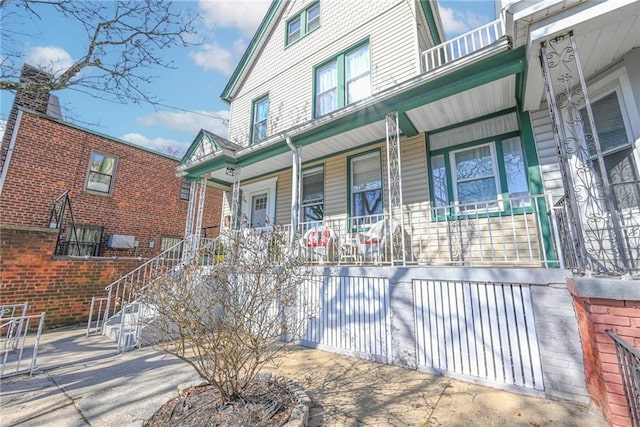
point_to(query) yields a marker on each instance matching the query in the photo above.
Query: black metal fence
(629, 364)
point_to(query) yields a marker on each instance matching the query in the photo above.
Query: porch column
(394, 181)
(193, 223)
(235, 196)
(597, 234)
(295, 189)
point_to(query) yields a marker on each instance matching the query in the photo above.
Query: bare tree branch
(125, 41)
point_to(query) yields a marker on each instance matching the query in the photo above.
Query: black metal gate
(629, 364)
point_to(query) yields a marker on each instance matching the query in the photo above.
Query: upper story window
(303, 23)
(101, 173)
(260, 117)
(343, 80)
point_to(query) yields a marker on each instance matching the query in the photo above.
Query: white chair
(319, 243)
(375, 244)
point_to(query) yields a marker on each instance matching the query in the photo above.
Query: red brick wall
(596, 316)
(51, 157)
(62, 287)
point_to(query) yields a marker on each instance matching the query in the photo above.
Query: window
(172, 246)
(312, 195)
(366, 185)
(101, 172)
(85, 242)
(260, 116)
(473, 175)
(343, 80)
(185, 190)
(303, 23)
(616, 149)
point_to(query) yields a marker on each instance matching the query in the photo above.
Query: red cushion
(370, 241)
(319, 240)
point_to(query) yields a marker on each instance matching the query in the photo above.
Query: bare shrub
(231, 310)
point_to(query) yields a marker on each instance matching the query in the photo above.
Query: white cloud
(52, 59)
(457, 21)
(214, 57)
(244, 15)
(163, 145)
(188, 122)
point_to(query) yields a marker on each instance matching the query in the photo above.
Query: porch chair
(319, 244)
(375, 244)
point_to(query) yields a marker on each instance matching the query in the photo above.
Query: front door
(259, 210)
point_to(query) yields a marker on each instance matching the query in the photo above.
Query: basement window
(84, 242)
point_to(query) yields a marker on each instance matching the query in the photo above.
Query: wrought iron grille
(629, 364)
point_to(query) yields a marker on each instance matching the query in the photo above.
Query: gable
(205, 144)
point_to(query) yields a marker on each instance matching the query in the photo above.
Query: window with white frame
(100, 176)
(83, 240)
(343, 80)
(260, 118)
(474, 178)
(303, 23)
(312, 195)
(366, 185)
(616, 148)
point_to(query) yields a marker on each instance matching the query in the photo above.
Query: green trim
(536, 185)
(429, 16)
(494, 68)
(406, 125)
(499, 137)
(234, 80)
(475, 120)
(349, 158)
(254, 102)
(303, 15)
(339, 60)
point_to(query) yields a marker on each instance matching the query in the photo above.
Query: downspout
(12, 143)
(295, 190)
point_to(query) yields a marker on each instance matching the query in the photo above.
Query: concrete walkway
(82, 382)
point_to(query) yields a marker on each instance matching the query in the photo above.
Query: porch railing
(462, 46)
(516, 231)
(629, 365)
(17, 345)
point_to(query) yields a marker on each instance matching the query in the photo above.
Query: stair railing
(127, 288)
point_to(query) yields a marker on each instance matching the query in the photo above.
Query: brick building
(126, 201)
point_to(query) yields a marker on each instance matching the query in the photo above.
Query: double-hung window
(303, 23)
(477, 176)
(312, 196)
(260, 120)
(185, 190)
(343, 80)
(83, 241)
(366, 185)
(102, 170)
(615, 147)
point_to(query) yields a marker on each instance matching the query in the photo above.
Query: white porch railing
(16, 344)
(462, 46)
(513, 231)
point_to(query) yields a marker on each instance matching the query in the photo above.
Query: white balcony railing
(462, 46)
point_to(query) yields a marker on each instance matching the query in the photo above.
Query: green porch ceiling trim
(406, 125)
(250, 51)
(474, 120)
(498, 66)
(431, 20)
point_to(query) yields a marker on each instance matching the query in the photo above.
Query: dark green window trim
(378, 151)
(303, 24)
(438, 214)
(252, 129)
(339, 60)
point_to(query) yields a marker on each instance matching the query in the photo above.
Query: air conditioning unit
(121, 241)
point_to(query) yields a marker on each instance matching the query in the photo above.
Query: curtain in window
(439, 180)
(87, 243)
(514, 167)
(327, 88)
(101, 173)
(357, 74)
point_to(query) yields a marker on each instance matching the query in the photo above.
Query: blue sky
(190, 93)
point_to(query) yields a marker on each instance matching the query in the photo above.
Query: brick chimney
(38, 101)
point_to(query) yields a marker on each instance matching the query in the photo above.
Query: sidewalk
(84, 382)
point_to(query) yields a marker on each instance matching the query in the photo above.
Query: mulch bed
(266, 402)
